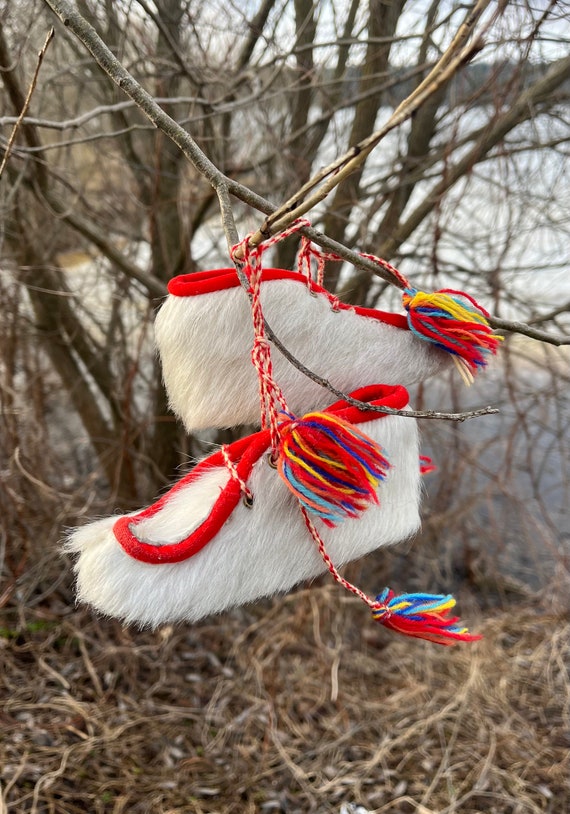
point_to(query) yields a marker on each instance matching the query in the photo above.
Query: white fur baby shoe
(204, 335)
(231, 530)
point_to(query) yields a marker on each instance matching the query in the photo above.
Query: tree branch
(13, 87)
(100, 110)
(362, 405)
(27, 100)
(523, 108)
(456, 54)
(148, 105)
(224, 186)
(97, 237)
(115, 70)
(528, 330)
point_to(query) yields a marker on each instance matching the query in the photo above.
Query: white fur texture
(205, 345)
(259, 551)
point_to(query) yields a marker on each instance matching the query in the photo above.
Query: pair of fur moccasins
(202, 547)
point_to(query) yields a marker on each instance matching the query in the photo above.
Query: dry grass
(301, 704)
(293, 706)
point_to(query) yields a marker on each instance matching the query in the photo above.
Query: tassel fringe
(454, 321)
(422, 616)
(332, 468)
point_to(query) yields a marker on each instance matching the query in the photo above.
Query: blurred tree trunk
(382, 21)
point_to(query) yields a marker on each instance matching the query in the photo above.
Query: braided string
(272, 401)
(308, 252)
(404, 282)
(232, 469)
(377, 607)
(420, 615)
(271, 397)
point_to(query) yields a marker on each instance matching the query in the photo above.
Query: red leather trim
(243, 453)
(383, 395)
(208, 282)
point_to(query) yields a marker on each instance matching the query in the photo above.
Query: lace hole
(272, 461)
(248, 501)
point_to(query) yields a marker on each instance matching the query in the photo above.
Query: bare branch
(362, 405)
(455, 55)
(27, 100)
(255, 28)
(520, 110)
(115, 70)
(100, 110)
(96, 236)
(528, 330)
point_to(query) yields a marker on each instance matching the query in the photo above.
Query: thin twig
(105, 58)
(33, 83)
(363, 405)
(223, 185)
(528, 330)
(83, 118)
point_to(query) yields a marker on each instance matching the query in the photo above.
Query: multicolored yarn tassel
(454, 321)
(331, 467)
(423, 616)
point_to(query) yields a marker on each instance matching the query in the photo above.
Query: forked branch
(459, 51)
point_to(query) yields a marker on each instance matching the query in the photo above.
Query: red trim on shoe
(208, 282)
(394, 396)
(244, 453)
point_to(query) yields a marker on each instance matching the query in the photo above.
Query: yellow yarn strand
(446, 303)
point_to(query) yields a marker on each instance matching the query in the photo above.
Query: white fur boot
(201, 549)
(204, 336)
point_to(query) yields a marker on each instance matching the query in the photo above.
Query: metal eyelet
(272, 461)
(247, 501)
